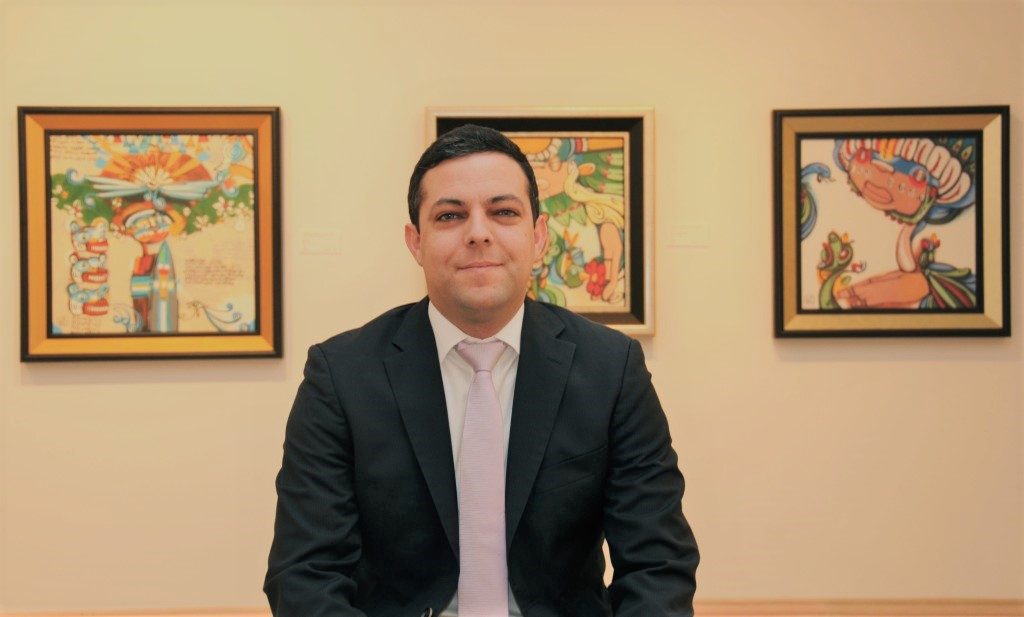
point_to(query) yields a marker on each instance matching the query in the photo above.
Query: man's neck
(477, 327)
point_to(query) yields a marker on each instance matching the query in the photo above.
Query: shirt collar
(447, 335)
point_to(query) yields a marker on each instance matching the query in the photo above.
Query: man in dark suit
(375, 494)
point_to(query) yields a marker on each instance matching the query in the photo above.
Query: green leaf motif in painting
(579, 214)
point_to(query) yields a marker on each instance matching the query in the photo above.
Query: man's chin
(485, 302)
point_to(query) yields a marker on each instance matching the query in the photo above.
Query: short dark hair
(463, 141)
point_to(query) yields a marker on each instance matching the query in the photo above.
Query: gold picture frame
(150, 233)
(892, 222)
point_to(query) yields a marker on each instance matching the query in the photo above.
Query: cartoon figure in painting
(580, 179)
(153, 284)
(88, 270)
(155, 175)
(150, 188)
(89, 240)
(87, 292)
(836, 261)
(916, 182)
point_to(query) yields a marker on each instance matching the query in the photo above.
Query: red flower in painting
(598, 279)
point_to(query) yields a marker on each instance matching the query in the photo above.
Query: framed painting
(149, 233)
(892, 222)
(595, 174)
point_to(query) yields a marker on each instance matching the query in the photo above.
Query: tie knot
(481, 356)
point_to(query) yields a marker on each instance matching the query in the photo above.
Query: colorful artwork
(149, 233)
(158, 231)
(891, 222)
(594, 177)
(582, 184)
(871, 213)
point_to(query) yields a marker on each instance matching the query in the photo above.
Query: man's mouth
(479, 265)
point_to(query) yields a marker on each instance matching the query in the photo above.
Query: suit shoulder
(375, 333)
(586, 332)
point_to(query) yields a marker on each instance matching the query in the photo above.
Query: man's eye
(448, 216)
(507, 212)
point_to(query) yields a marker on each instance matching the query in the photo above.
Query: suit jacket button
(427, 612)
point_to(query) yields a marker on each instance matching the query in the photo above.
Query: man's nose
(478, 229)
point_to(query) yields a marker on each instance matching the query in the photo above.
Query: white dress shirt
(457, 375)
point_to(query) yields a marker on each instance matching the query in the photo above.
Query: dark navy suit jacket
(367, 515)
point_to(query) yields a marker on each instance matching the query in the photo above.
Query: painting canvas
(591, 174)
(882, 218)
(147, 226)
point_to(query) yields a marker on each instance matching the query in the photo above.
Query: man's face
(477, 239)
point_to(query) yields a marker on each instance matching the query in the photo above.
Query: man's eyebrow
(500, 198)
(452, 201)
(448, 201)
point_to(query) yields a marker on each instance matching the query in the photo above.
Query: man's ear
(412, 240)
(540, 236)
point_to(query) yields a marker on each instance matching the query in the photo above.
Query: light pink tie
(483, 571)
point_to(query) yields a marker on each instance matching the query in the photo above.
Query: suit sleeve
(653, 551)
(316, 533)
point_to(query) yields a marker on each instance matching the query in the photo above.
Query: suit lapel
(415, 377)
(544, 362)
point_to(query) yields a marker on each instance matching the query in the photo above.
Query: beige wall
(816, 469)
